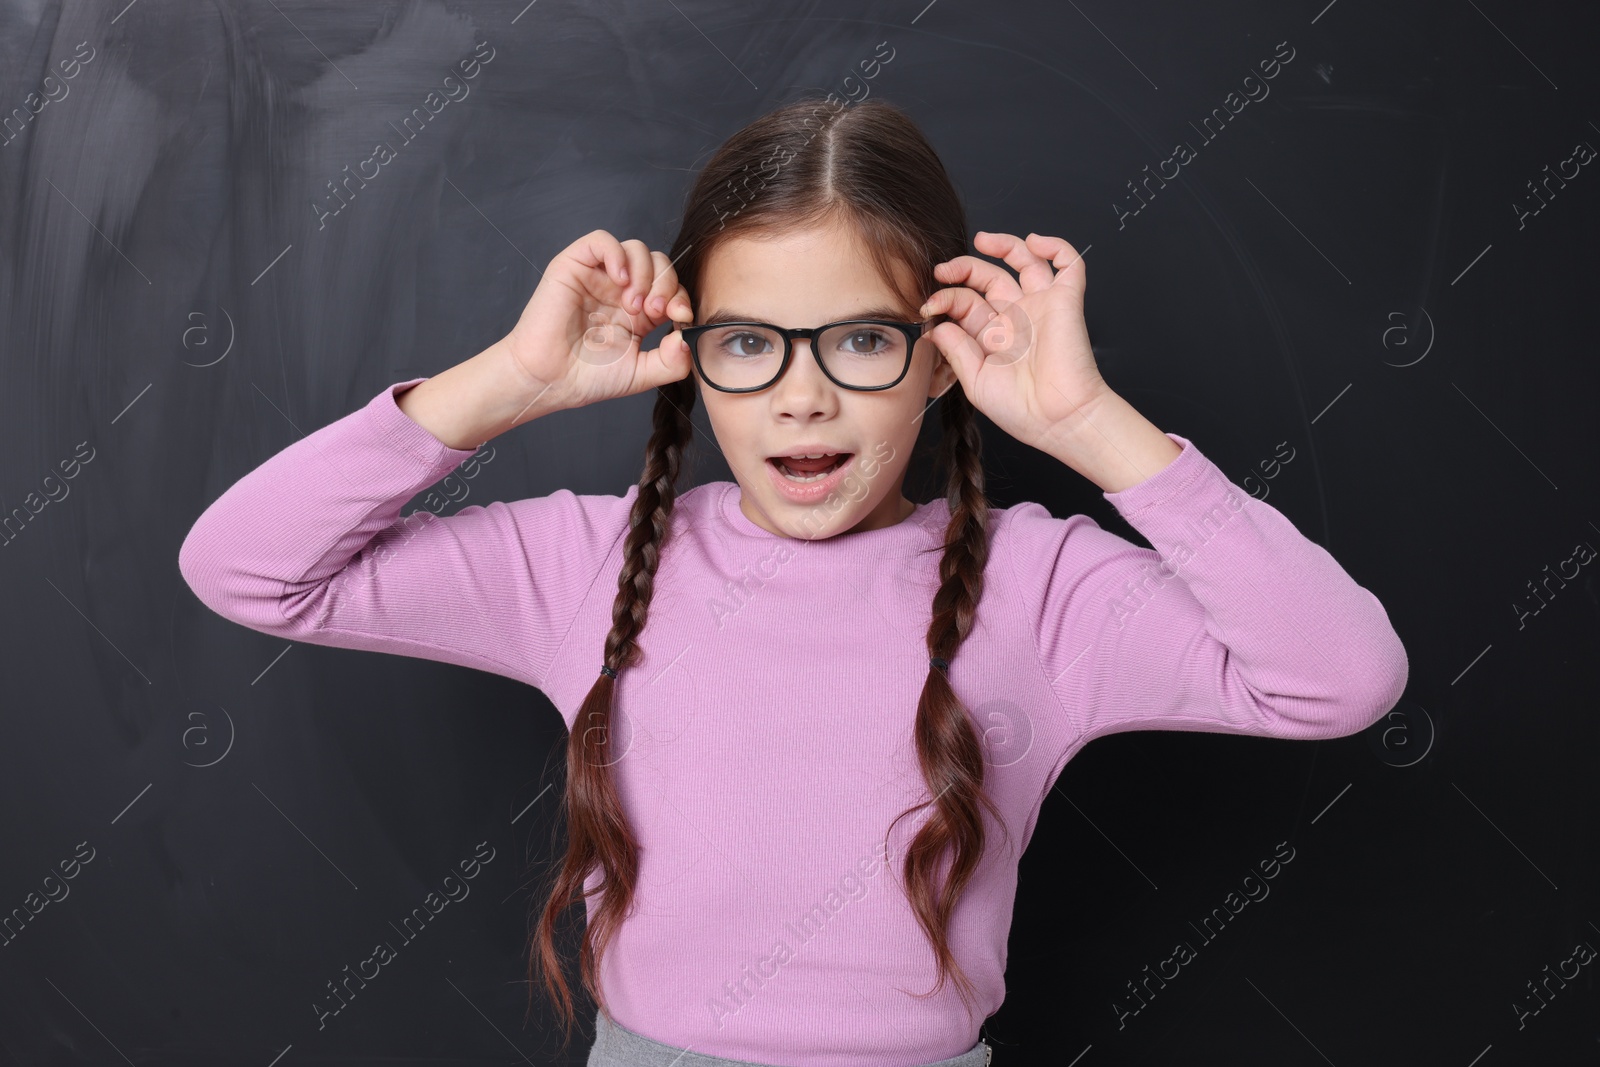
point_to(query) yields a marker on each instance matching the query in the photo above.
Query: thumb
(666, 363)
(960, 350)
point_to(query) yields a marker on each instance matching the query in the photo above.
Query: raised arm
(310, 546)
(1247, 628)
(1235, 623)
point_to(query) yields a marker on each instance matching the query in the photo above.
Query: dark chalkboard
(1365, 290)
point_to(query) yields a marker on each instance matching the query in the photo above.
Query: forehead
(799, 278)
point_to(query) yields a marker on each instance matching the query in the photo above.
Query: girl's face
(802, 280)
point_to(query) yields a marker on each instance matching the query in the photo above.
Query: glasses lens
(863, 353)
(740, 357)
(860, 354)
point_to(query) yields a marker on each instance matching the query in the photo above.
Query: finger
(957, 339)
(669, 300)
(1003, 335)
(960, 350)
(598, 250)
(667, 362)
(680, 308)
(662, 288)
(966, 308)
(1033, 273)
(640, 272)
(992, 280)
(1067, 260)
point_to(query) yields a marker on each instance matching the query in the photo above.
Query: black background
(1342, 272)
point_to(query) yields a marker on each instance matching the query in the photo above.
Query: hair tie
(607, 671)
(941, 664)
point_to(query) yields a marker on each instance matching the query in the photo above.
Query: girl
(812, 722)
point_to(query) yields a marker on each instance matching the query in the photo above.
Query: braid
(948, 747)
(648, 524)
(597, 827)
(966, 541)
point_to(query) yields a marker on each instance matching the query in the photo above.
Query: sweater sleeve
(1233, 623)
(310, 546)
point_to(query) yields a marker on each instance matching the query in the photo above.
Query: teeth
(794, 476)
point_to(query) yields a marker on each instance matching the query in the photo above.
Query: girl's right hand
(578, 339)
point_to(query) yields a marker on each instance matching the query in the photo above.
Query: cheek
(730, 421)
(857, 485)
(884, 453)
(737, 433)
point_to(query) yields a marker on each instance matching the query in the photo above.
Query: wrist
(477, 399)
(1112, 445)
(1078, 434)
(521, 397)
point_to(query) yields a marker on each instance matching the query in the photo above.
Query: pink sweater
(767, 728)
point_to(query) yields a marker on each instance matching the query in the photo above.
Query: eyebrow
(891, 313)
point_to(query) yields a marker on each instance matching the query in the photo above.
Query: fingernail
(634, 301)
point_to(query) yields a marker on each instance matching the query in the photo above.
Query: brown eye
(747, 344)
(867, 342)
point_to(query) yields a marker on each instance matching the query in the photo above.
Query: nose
(803, 389)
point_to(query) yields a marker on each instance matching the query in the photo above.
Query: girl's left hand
(1020, 352)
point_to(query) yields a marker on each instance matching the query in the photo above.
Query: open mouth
(801, 470)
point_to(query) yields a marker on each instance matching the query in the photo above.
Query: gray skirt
(617, 1046)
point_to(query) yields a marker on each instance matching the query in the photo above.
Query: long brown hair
(803, 164)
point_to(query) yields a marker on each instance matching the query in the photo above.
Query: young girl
(811, 722)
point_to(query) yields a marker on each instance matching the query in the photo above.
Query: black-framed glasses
(859, 354)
